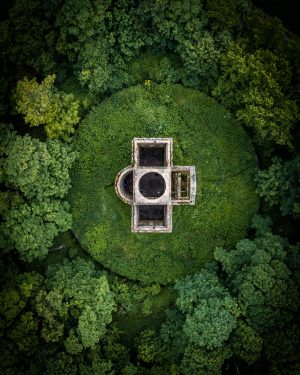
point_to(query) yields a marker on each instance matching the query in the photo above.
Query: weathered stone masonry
(153, 185)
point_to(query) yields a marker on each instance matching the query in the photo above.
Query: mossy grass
(205, 135)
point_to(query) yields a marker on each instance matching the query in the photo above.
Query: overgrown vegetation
(35, 176)
(204, 135)
(40, 104)
(80, 293)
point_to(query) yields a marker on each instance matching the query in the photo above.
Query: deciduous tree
(280, 185)
(253, 86)
(42, 104)
(19, 337)
(36, 175)
(259, 277)
(77, 302)
(211, 312)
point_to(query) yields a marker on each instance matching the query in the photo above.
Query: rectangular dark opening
(151, 214)
(180, 183)
(152, 156)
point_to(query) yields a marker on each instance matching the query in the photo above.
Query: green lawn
(205, 135)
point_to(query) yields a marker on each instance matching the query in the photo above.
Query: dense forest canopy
(80, 293)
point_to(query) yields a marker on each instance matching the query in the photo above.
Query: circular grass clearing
(205, 135)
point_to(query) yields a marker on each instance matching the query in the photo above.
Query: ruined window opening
(181, 185)
(152, 185)
(151, 215)
(152, 156)
(127, 184)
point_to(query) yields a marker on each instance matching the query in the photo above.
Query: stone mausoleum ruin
(153, 185)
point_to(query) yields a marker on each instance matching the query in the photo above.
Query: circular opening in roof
(152, 185)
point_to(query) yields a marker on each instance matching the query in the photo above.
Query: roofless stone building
(153, 185)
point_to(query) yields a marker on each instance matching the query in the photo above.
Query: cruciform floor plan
(152, 185)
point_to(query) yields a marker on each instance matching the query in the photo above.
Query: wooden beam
(179, 186)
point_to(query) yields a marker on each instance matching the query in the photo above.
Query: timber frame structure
(152, 185)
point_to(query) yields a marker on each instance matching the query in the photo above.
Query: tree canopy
(36, 177)
(41, 104)
(252, 84)
(81, 294)
(280, 185)
(74, 290)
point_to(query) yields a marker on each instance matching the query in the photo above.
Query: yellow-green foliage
(204, 135)
(41, 104)
(257, 87)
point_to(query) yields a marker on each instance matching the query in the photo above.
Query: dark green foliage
(4, 46)
(266, 32)
(293, 262)
(7, 135)
(199, 361)
(178, 20)
(235, 313)
(245, 342)
(208, 327)
(27, 44)
(90, 363)
(280, 185)
(53, 324)
(74, 290)
(259, 277)
(71, 85)
(38, 169)
(14, 298)
(143, 305)
(36, 176)
(101, 38)
(147, 346)
(114, 349)
(31, 227)
(283, 350)
(98, 38)
(253, 85)
(155, 68)
(201, 60)
(131, 296)
(227, 14)
(62, 314)
(182, 24)
(211, 311)
(3, 92)
(138, 308)
(30, 36)
(204, 135)
(18, 323)
(172, 340)
(262, 31)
